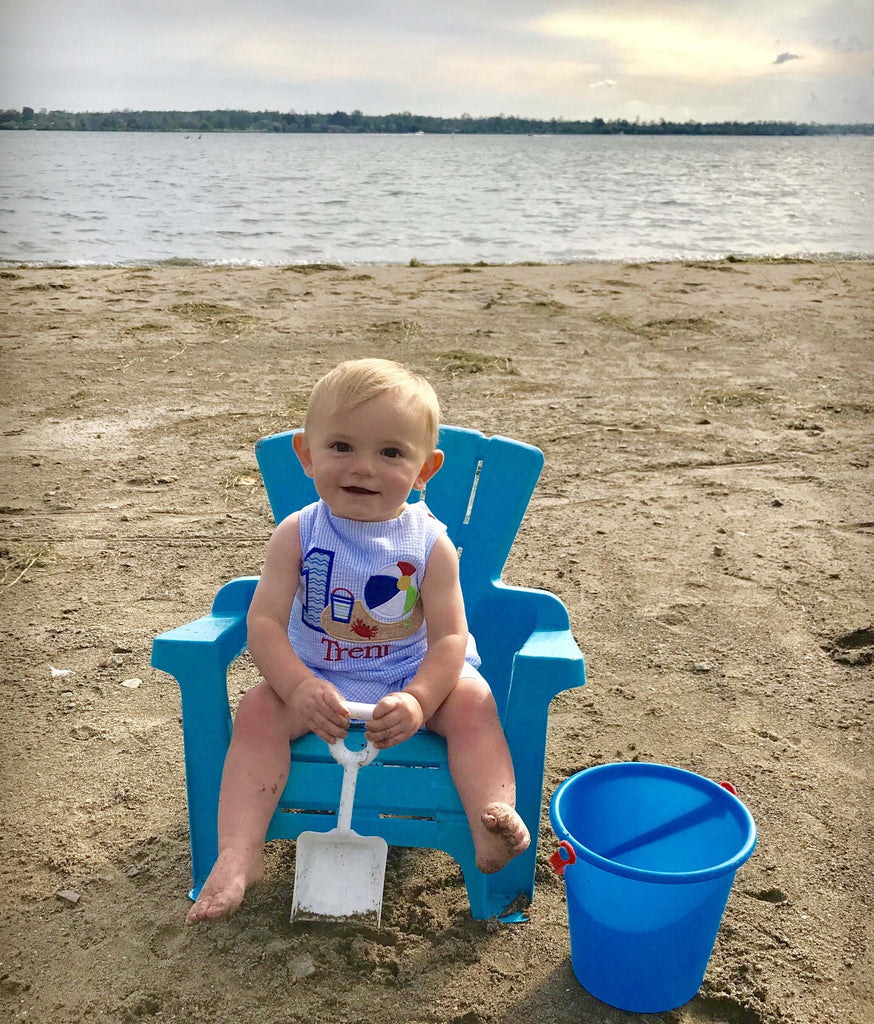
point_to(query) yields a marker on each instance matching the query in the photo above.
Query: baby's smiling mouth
(359, 490)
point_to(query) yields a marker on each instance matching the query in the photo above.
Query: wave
(790, 256)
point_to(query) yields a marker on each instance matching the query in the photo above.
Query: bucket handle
(564, 855)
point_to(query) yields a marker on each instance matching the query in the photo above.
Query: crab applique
(360, 628)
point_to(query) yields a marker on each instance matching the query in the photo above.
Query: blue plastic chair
(406, 795)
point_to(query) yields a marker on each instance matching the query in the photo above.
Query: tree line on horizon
(401, 123)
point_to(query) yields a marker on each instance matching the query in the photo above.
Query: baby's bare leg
(482, 771)
(254, 776)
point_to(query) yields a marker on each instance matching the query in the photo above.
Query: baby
(370, 437)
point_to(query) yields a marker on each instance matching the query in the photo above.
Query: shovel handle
(354, 758)
(363, 712)
(346, 757)
(351, 760)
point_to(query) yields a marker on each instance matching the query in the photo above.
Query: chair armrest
(197, 653)
(235, 596)
(529, 608)
(549, 662)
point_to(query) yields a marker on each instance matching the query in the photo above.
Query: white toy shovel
(340, 874)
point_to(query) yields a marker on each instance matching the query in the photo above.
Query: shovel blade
(338, 874)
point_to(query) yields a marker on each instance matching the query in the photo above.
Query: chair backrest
(480, 493)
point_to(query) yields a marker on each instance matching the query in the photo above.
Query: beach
(705, 513)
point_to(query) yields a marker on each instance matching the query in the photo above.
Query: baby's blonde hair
(356, 381)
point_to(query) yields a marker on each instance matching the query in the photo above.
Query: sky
(703, 60)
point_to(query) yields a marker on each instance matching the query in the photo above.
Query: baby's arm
(316, 702)
(399, 715)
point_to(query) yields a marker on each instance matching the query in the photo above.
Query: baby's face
(365, 461)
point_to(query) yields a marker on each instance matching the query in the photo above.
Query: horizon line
(464, 117)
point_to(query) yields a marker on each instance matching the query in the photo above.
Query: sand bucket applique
(342, 602)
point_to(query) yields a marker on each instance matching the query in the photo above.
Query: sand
(705, 513)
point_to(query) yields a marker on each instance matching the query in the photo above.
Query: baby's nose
(364, 465)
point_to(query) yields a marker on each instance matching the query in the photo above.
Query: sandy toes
(505, 837)
(224, 889)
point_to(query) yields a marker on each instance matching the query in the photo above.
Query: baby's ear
(432, 464)
(302, 450)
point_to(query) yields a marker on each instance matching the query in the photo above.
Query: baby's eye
(341, 446)
(392, 453)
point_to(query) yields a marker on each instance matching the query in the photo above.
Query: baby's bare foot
(224, 889)
(505, 837)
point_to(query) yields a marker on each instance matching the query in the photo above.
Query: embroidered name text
(335, 651)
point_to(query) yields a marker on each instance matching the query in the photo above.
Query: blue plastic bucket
(649, 854)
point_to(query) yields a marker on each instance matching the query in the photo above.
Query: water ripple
(242, 199)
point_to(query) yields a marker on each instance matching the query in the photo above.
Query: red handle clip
(564, 855)
(730, 786)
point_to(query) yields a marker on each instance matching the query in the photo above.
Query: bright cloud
(658, 44)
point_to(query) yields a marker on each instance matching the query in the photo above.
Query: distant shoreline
(405, 123)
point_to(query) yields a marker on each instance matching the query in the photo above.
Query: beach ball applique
(391, 594)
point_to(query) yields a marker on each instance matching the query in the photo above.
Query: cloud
(682, 44)
(784, 57)
(850, 45)
(607, 83)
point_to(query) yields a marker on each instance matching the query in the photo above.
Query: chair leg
(204, 762)
(490, 895)
(206, 732)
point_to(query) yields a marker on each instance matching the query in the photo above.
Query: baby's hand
(395, 719)
(320, 708)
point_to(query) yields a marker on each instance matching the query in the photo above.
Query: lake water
(119, 198)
